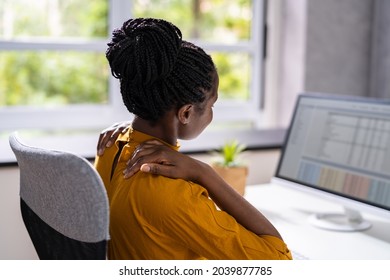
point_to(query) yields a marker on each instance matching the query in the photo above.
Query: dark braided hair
(158, 71)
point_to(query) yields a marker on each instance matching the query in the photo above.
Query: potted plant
(229, 167)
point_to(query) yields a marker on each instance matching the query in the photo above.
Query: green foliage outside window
(46, 78)
(53, 18)
(223, 21)
(52, 78)
(234, 73)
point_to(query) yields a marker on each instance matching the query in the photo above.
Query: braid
(157, 70)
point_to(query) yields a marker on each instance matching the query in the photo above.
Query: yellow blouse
(155, 217)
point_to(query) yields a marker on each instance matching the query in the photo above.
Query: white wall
(333, 46)
(14, 240)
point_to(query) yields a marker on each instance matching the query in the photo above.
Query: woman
(170, 86)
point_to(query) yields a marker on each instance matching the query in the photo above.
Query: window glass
(53, 18)
(225, 21)
(234, 73)
(49, 78)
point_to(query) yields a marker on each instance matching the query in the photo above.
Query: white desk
(289, 209)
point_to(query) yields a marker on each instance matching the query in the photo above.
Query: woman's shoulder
(169, 191)
(168, 186)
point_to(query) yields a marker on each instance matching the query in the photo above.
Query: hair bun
(144, 50)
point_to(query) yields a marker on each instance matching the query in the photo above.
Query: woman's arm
(154, 157)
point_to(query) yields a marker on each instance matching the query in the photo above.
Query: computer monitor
(339, 148)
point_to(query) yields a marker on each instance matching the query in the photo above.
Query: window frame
(92, 116)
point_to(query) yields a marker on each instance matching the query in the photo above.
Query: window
(53, 71)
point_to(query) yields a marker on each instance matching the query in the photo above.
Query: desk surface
(289, 210)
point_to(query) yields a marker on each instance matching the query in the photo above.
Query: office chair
(63, 203)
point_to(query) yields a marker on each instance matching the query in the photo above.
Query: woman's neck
(163, 129)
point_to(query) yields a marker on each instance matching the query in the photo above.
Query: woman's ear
(185, 113)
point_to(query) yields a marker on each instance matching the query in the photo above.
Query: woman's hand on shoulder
(156, 158)
(107, 136)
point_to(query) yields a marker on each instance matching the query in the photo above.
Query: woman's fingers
(107, 136)
(160, 169)
(148, 152)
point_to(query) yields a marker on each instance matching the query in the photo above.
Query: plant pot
(234, 176)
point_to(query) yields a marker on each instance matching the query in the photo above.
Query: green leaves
(229, 153)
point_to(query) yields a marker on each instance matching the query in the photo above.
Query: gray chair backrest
(64, 190)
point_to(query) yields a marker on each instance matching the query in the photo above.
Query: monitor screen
(340, 145)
